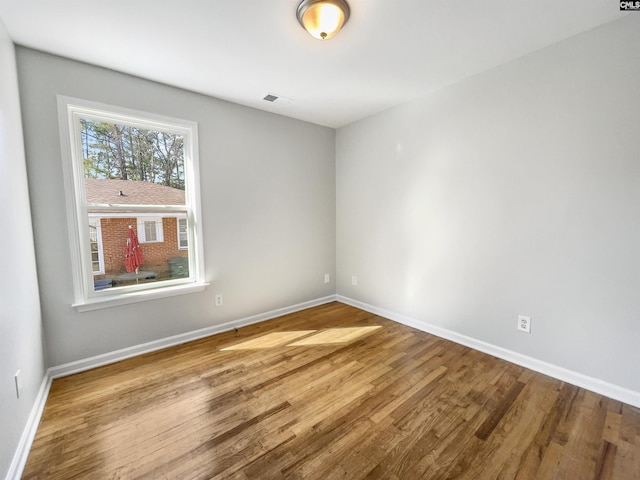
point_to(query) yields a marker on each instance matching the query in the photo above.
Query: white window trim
(70, 110)
(142, 234)
(180, 247)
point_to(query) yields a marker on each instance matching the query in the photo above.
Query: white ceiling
(389, 52)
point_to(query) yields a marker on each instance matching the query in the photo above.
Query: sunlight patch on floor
(328, 336)
(270, 340)
(334, 335)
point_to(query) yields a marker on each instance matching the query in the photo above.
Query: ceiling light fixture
(323, 18)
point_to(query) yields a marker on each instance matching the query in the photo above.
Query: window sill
(135, 297)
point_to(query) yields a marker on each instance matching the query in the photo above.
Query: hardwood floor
(330, 392)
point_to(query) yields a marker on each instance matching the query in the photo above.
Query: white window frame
(70, 111)
(178, 220)
(142, 233)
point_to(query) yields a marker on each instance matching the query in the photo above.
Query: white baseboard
(596, 385)
(122, 354)
(28, 434)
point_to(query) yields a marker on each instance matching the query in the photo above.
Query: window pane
(124, 152)
(150, 232)
(129, 165)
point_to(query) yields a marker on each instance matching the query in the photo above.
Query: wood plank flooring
(331, 392)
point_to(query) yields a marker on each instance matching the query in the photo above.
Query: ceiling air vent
(277, 98)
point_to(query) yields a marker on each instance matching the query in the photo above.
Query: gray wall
(20, 323)
(268, 207)
(516, 191)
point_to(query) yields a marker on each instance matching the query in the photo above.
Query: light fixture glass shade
(323, 18)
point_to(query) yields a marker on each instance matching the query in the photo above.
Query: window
(183, 237)
(127, 173)
(150, 230)
(95, 246)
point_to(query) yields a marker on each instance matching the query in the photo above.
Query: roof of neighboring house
(129, 192)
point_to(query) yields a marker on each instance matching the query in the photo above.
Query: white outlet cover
(354, 280)
(524, 324)
(327, 278)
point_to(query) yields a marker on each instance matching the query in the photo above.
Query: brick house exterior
(114, 228)
(156, 254)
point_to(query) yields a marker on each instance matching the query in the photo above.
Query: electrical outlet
(327, 278)
(524, 324)
(18, 384)
(354, 280)
(219, 300)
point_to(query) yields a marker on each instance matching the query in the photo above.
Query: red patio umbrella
(133, 255)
